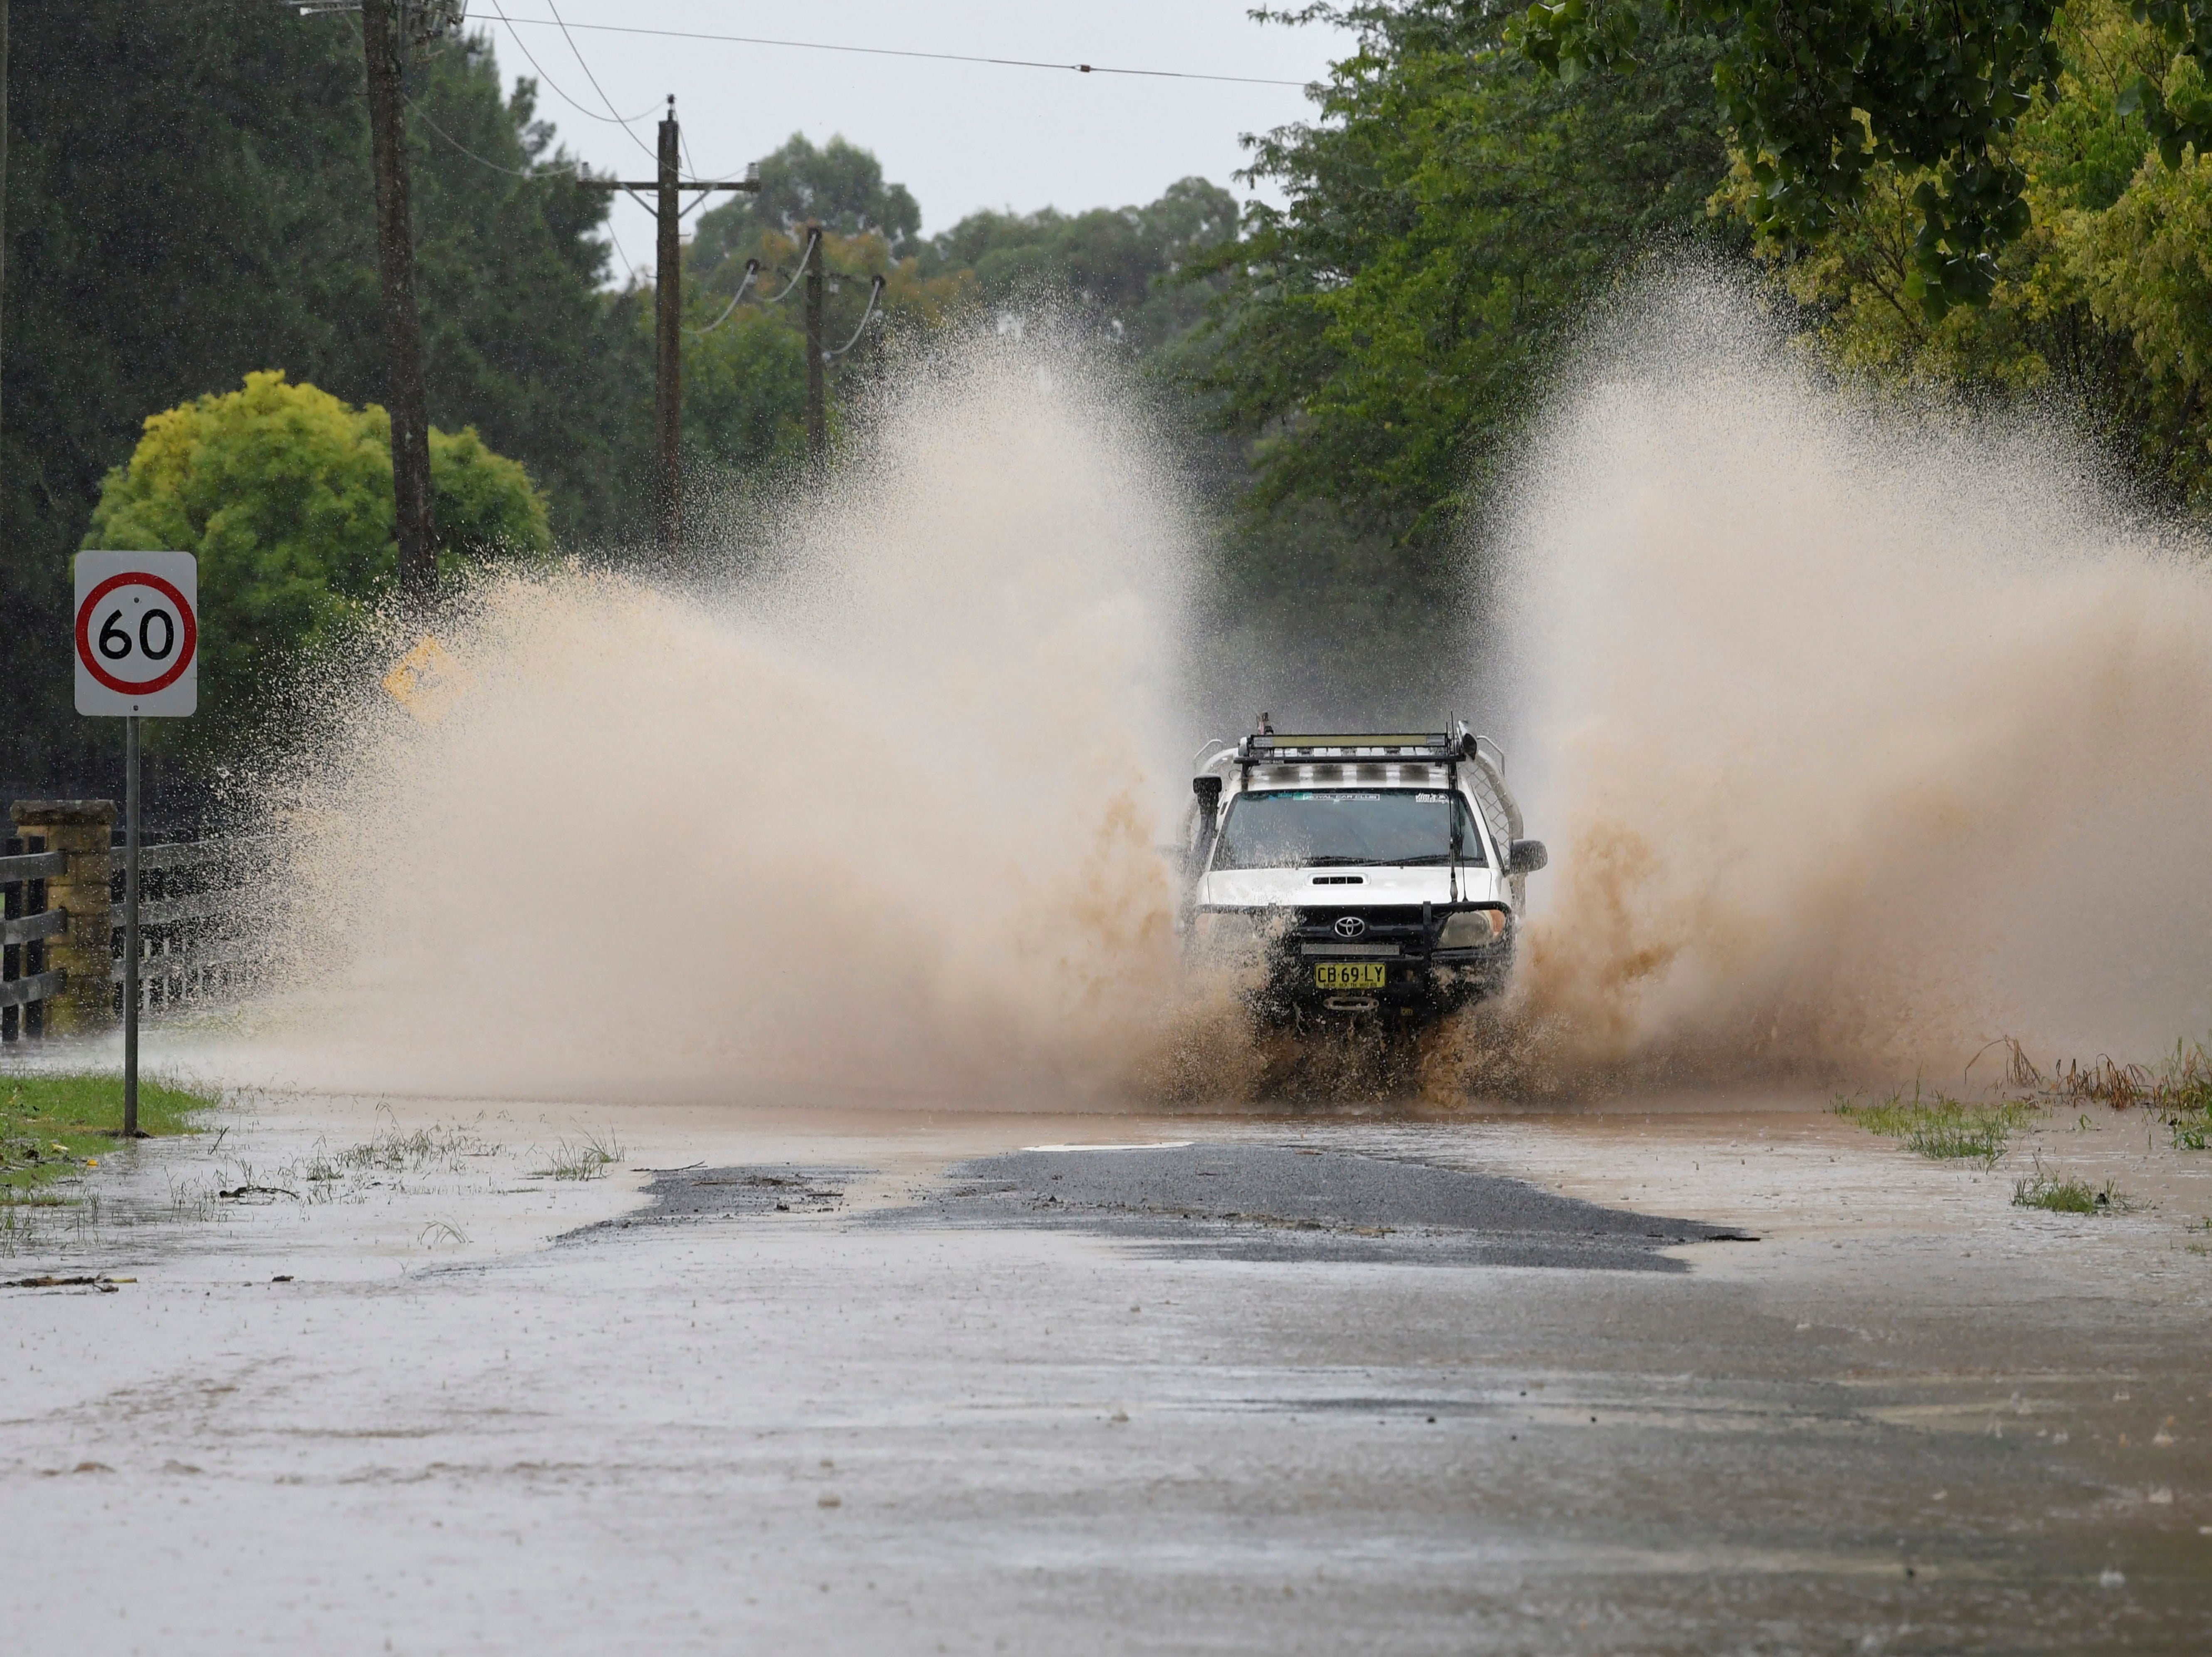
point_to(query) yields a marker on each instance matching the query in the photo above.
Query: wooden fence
(203, 932)
(203, 914)
(26, 983)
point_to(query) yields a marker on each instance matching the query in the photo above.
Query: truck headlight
(1226, 931)
(1472, 929)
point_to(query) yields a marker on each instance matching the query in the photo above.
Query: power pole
(407, 400)
(818, 433)
(4, 148)
(668, 319)
(667, 330)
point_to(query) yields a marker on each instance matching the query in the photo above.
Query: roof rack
(1269, 745)
(1451, 747)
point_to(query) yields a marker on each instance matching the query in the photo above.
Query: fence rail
(33, 865)
(53, 923)
(206, 926)
(194, 906)
(193, 958)
(26, 981)
(26, 992)
(231, 849)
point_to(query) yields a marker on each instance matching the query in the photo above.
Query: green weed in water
(1942, 1127)
(585, 1161)
(2068, 1193)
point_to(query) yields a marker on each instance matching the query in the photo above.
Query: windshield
(1324, 828)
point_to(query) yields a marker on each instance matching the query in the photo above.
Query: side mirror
(1208, 791)
(1525, 857)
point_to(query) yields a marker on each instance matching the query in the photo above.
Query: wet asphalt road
(1231, 1396)
(1238, 1199)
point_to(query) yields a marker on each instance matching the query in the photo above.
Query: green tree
(839, 185)
(1821, 98)
(189, 200)
(744, 368)
(284, 493)
(1121, 265)
(744, 390)
(1451, 216)
(2105, 302)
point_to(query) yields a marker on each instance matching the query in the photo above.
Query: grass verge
(1942, 1127)
(53, 1125)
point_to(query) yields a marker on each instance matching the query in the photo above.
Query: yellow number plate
(1349, 976)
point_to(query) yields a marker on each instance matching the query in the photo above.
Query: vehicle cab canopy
(1408, 776)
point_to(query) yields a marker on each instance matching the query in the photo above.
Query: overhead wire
(701, 199)
(554, 85)
(874, 293)
(813, 242)
(612, 114)
(626, 123)
(752, 270)
(594, 79)
(629, 269)
(511, 173)
(898, 51)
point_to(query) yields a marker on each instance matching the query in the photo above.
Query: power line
(548, 80)
(629, 269)
(752, 270)
(588, 75)
(423, 115)
(874, 293)
(897, 51)
(813, 241)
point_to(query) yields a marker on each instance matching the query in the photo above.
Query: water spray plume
(880, 824)
(1869, 735)
(1862, 737)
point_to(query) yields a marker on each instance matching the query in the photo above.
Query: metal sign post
(138, 657)
(130, 926)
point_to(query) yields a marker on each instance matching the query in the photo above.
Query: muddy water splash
(1861, 737)
(884, 823)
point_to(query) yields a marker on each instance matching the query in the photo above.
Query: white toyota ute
(1381, 875)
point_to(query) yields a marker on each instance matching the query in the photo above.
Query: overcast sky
(959, 136)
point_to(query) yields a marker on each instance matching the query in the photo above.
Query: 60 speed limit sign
(138, 634)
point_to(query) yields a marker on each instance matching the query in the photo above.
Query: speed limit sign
(138, 634)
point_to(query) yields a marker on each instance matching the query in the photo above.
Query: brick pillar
(85, 829)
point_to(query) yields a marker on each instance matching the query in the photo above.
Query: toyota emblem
(1350, 926)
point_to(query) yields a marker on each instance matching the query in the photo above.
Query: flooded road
(884, 1383)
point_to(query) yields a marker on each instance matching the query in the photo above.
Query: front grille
(1386, 915)
(1392, 929)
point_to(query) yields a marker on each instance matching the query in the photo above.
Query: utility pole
(407, 400)
(668, 338)
(817, 436)
(668, 318)
(3, 149)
